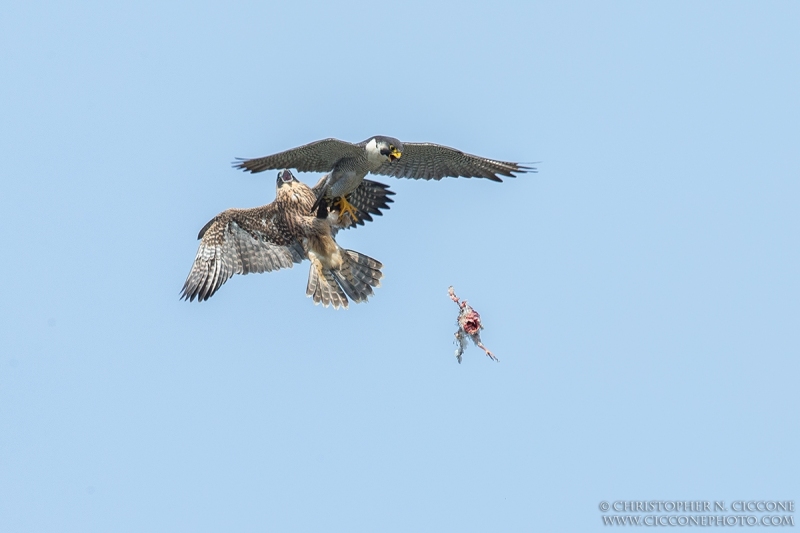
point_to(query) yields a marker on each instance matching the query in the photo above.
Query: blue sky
(641, 290)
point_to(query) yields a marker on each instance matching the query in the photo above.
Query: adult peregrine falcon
(347, 164)
(279, 234)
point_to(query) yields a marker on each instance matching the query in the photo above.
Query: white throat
(374, 155)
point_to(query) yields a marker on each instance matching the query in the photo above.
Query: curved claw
(346, 207)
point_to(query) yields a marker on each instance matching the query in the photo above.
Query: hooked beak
(394, 155)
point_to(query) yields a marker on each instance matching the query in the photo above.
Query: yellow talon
(346, 207)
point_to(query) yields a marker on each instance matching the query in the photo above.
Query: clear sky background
(641, 290)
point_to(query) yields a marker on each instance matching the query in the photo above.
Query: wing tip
(240, 163)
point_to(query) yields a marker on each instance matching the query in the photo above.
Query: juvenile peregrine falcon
(347, 164)
(279, 234)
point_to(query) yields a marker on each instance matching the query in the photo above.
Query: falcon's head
(285, 176)
(384, 148)
(293, 193)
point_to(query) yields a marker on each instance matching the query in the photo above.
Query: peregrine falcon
(347, 164)
(279, 234)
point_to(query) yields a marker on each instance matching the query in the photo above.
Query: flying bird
(279, 234)
(347, 164)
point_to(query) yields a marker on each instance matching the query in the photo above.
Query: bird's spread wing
(319, 156)
(430, 161)
(370, 198)
(239, 241)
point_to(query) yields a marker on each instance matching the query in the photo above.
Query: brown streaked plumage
(279, 234)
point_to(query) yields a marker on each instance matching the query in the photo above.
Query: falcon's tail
(358, 275)
(368, 199)
(356, 278)
(322, 286)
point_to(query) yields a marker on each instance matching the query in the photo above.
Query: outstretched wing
(240, 241)
(319, 156)
(430, 161)
(370, 198)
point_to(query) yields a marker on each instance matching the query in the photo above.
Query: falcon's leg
(322, 209)
(322, 194)
(345, 206)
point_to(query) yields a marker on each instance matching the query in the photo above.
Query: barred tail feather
(322, 287)
(365, 268)
(358, 275)
(355, 278)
